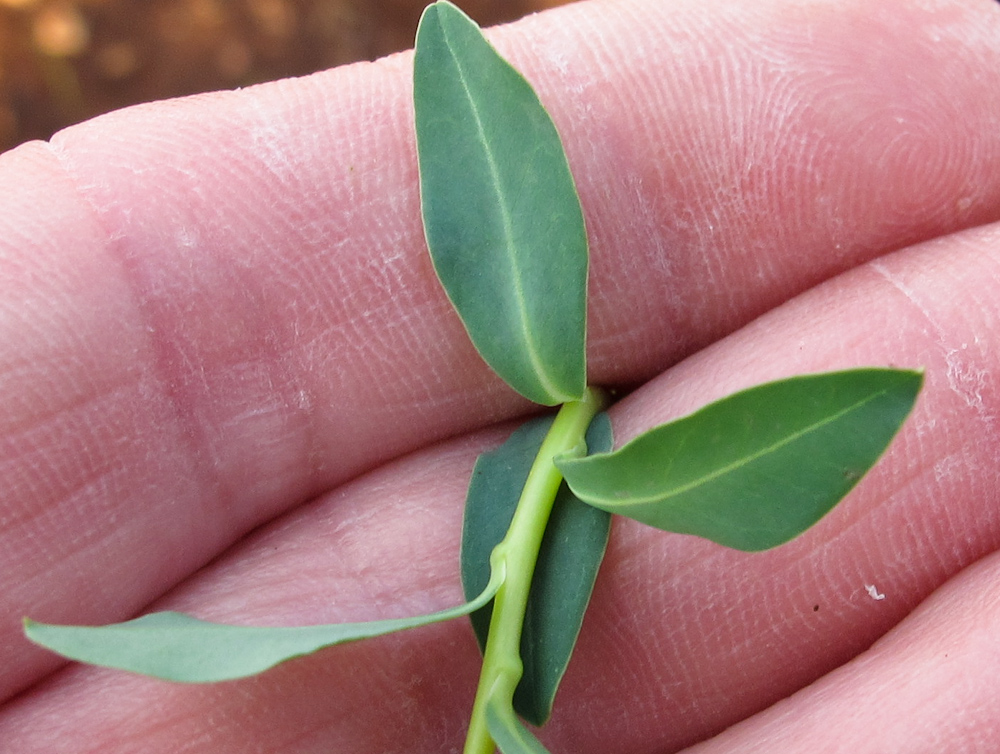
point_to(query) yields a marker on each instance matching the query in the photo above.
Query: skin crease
(217, 314)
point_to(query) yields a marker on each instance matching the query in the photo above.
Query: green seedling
(506, 235)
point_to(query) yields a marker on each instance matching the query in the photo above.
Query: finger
(232, 309)
(381, 546)
(684, 638)
(725, 634)
(930, 685)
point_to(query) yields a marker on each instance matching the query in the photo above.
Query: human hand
(218, 315)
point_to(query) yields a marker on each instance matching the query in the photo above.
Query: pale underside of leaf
(176, 647)
(531, 346)
(501, 215)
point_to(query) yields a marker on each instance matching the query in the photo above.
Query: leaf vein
(526, 334)
(744, 460)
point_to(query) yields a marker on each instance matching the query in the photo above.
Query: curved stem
(516, 555)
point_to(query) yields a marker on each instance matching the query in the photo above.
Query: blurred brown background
(62, 61)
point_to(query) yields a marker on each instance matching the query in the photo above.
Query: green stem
(515, 556)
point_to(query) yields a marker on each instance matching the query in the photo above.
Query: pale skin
(217, 314)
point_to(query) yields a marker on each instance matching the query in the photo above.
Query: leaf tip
(30, 627)
(432, 12)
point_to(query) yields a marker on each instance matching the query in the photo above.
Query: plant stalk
(516, 555)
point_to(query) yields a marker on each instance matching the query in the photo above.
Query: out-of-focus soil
(62, 61)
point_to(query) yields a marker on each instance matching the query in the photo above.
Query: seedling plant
(506, 235)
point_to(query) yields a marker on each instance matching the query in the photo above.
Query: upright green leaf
(177, 647)
(501, 213)
(568, 561)
(753, 470)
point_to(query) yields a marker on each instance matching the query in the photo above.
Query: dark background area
(63, 61)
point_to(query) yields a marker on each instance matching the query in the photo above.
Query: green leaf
(568, 561)
(571, 554)
(501, 214)
(177, 647)
(756, 469)
(508, 732)
(494, 490)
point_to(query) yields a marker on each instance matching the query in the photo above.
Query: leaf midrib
(531, 347)
(745, 460)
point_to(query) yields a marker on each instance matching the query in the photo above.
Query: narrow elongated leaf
(753, 470)
(508, 732)
(177, 647)
(501, 214)
(568, 561)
